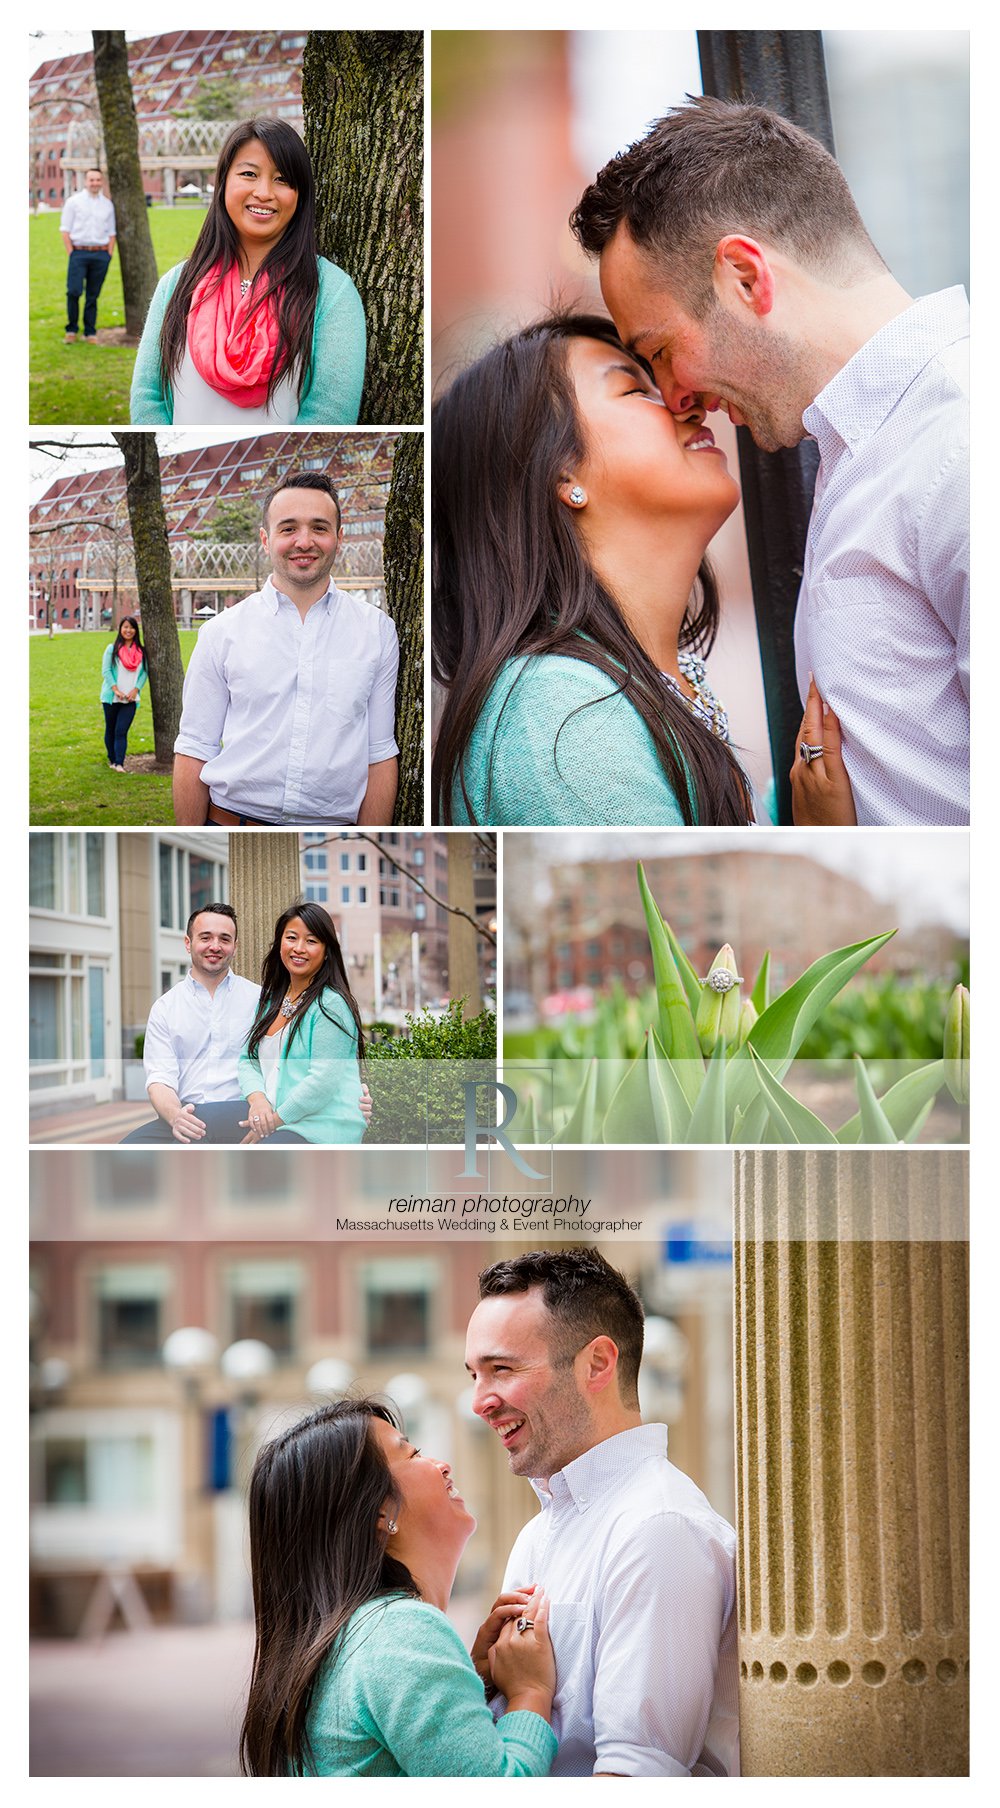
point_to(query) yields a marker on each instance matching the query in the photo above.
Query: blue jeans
(222, 1125)
(117, 722)
(87, 270)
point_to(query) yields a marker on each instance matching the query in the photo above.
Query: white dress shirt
(88, 219)
(640, 1572)
(883, 613)
(194, 1038)
(287, 714)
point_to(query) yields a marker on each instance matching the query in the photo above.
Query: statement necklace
(704, 706)
(289, 1006)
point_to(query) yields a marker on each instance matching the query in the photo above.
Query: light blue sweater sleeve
(557, 744)
(403, 1699)
(150, 405)
(332, 396)
(110, 676)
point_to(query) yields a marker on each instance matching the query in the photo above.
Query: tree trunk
(152, 577)
(463, 942)
(363, 108)
(403, 560)
(121, 144)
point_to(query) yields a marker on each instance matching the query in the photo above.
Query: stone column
(263, 880)
(463, 942)
(851, 1274)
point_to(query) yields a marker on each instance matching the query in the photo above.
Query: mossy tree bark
(363, 107)
(403, 561)
(148, 523)
(121, 144)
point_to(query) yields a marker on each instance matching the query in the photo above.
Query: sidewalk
(163, 1703)
(88, 1123)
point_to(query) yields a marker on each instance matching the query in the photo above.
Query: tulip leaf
(760, 997)
(629, 1117)
(903, 1104)
(708, 1119)
(675, 1022)
(581, 1125)
(875, 1126)
(793, 1121)
(528, 1126)
(689, 978)
(670, 1107)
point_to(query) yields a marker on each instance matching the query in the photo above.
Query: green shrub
(418, 1079)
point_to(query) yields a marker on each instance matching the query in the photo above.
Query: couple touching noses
(610, 1649)
(577, 486)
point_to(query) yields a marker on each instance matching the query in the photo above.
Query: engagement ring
(809, 753)
(721, 980)
(523, 1624)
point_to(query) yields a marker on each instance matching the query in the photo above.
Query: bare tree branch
(392, 856)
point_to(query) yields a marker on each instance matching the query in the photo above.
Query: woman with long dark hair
(572, 603)
(355, 1538)
(254, 326)
(299, 1067)
(123, 677)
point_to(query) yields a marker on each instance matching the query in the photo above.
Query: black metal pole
(783, 70)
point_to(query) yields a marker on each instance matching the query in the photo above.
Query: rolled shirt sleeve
(205, 700)
(382, 701)
(159, 1057)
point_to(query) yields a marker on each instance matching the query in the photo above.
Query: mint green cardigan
(400, 1698)
(332, 396)
(319, 1084)
(110, 676)
(556, 744)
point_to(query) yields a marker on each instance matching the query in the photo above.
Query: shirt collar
(855, 402)
(272, 597)
(594, 1474)
(224, 985)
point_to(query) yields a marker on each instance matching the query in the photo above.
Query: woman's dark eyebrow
(636, 367)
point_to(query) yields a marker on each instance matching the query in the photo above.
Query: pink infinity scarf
(232, 351)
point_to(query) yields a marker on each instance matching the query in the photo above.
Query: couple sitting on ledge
(228, 1061)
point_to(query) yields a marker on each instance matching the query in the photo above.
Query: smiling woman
(355, 1538)
(572, 602)
(254, 326)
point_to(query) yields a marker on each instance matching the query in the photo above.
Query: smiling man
(87, 229)
(639, 1569)
(734, 260)
(289, 699)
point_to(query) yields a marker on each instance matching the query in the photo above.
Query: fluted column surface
(263, 881)
(852, 1462)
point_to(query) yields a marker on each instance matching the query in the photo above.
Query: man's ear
(600, 1364)
(263, 538)
(742, 276)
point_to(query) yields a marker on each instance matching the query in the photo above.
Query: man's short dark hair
(585, 1297)
(302, 480)
(213, 910)
(714, 167)
(95, 170)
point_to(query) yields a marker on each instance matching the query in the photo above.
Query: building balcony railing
(203, 563)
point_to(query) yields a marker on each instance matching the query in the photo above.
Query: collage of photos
(499, 1102)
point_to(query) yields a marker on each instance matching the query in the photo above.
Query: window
(263, 1303)
(397, 1299)
(345, 863)
(362, 862)
(126, 1178)
(113, 1472)
(315, 860)
(345, 894)
(362, 894)
(129, 1299)
(317, 894)
(187, 882)
(66, 873)
(262, 1182)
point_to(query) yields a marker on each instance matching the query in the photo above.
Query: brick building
(589, 928)
(81, 573)
(177, 80)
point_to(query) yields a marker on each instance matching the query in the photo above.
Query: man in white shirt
(289, 699)
(638, 1568)
(194, 1036)
(87, 227)
(735, 263)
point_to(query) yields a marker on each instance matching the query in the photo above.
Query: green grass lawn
(71, 781)
(88, 384)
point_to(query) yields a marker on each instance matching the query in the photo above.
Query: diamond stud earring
(577, 496)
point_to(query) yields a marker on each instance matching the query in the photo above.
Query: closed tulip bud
(748, 1017)
(719, 1006)
(956, 1045)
